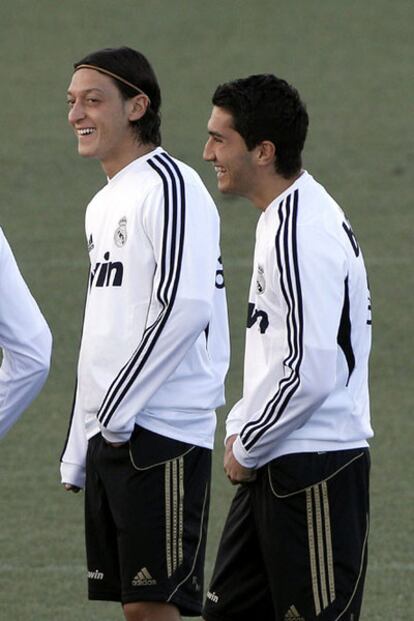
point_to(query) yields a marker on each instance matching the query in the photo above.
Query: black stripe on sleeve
(170, 269)
(288, 266)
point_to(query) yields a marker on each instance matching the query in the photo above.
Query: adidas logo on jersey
(143, 578)
(293, 615)
(91, 245)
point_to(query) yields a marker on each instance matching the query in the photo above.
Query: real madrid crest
(260, 280)
(121, 236)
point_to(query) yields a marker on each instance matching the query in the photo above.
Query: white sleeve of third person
(25, 340)
(312, 284)
(184, 233)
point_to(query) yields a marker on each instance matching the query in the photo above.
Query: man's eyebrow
(217, 134)
(88, 90)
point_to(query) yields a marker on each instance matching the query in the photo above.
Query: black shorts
(294, 547)
(146, 512)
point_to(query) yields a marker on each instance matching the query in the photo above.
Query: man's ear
(266, 153)
(138, 106)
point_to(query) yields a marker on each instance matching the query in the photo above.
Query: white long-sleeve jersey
(308, 333)
(25, 340)
(155, 343)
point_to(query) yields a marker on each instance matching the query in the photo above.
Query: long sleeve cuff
(73, 474)
(232, 428)
(115, 437)
(242, 456)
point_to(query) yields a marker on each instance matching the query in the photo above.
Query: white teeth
(86, 131)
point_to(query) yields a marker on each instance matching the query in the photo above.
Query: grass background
(352, 63)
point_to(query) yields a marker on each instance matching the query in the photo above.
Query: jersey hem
(294, 446)
(176, 434)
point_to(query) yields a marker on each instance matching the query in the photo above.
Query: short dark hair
(136, 69)
(265, 107)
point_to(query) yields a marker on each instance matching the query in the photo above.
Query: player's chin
(84, 151)
(223, 186)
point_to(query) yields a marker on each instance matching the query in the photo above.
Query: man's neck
(137, 150)
(270, 188)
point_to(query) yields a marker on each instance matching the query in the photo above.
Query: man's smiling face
(227, 150)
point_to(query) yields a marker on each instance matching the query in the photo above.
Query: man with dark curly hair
(294, 547)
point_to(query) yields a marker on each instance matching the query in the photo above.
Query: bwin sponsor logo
(253, 315)
(213, 597)
(95, 575)
(107, 274)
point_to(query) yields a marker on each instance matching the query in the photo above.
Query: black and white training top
(308, 333)
(155, 343)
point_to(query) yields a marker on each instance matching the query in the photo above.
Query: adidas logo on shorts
(293, 615)
(143, 578)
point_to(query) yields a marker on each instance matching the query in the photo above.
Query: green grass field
(352, 63)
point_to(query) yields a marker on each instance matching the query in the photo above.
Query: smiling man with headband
(112, 75)
(154, 349)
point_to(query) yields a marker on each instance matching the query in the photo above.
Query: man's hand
(236, 473)
(71, 488)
